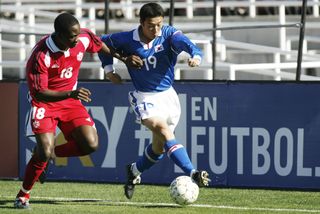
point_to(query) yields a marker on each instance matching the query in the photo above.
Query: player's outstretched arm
(131, 61)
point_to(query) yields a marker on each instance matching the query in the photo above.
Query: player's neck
(58, 43)
(142, 37)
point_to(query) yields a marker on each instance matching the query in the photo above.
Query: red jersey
(51, 68)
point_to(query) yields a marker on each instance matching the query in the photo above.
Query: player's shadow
(112, 204)
(8, 204)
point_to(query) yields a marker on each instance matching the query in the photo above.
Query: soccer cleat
(132, 180)
(201, 178)
(21, 203)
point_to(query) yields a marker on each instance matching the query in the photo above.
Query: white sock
(134, 169)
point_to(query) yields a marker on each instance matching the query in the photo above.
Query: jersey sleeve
(94, 43)
(107, 60)
(180, 42)
(38, 73)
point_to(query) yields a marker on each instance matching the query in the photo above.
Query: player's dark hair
(150, 10)
(64, 21)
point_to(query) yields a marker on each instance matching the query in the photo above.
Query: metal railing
(29, 16)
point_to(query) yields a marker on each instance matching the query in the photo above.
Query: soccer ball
(183, 190)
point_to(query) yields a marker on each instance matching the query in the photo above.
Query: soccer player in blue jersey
(155, 48)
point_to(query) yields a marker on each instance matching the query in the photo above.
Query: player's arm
(107, 59)
(105, 50)
(180, 43)
(109, 70)
(54, 96)
(114, 77)
(112, 47)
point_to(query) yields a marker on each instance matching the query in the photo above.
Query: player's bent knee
(45, 154)
(92, 144)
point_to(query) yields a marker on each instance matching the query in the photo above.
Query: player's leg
(80, 133)
(83, 140)
(152, 154)
(175, 151)
(34, 168)
(43, 175)
(178, 154)
(148, 159)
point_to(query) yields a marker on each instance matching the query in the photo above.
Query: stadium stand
(255, 54)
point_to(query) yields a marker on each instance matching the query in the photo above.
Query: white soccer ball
(183, 190)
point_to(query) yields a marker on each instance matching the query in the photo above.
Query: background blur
(241, 54)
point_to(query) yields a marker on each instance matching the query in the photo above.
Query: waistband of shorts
(155, 92)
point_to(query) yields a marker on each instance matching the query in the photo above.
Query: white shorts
(163, 104)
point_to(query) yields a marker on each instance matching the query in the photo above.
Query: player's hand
(114, 78)
(134, 61)
(81, 94)
(193, 62)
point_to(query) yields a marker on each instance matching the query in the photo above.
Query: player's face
(151, 27)
(69, 39)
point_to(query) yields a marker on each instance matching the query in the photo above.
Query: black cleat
(201, 178)
(132, 180)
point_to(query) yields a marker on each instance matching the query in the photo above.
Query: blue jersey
(159, 56)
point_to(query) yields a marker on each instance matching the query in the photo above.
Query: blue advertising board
(245, 134)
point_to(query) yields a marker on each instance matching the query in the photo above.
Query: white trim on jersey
(136, 37)
(47, 59)
(85, 41)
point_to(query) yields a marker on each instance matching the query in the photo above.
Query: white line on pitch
(169, 204)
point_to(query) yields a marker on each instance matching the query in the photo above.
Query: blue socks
(178, 154)
(148, 159)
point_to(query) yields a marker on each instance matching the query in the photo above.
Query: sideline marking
(64, 199)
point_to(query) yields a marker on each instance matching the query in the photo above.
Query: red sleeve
(95, 43)
(37, 72)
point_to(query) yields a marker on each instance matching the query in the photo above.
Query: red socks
(33, 171)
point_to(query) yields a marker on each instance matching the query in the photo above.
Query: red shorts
(67, 116)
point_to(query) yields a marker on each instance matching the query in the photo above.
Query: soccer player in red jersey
(52, 72)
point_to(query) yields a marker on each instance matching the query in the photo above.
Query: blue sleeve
(104, 58)
(179, 43)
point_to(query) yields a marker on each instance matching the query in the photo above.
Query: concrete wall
(9, 130)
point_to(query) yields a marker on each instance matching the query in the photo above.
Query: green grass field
(65, 197)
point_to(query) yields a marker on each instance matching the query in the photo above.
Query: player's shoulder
(41, 47)
(118, 36)
(85, 31)
(122, 34)
(168, 30)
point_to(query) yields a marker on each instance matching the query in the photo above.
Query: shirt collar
(52, 46)
(136, 36)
